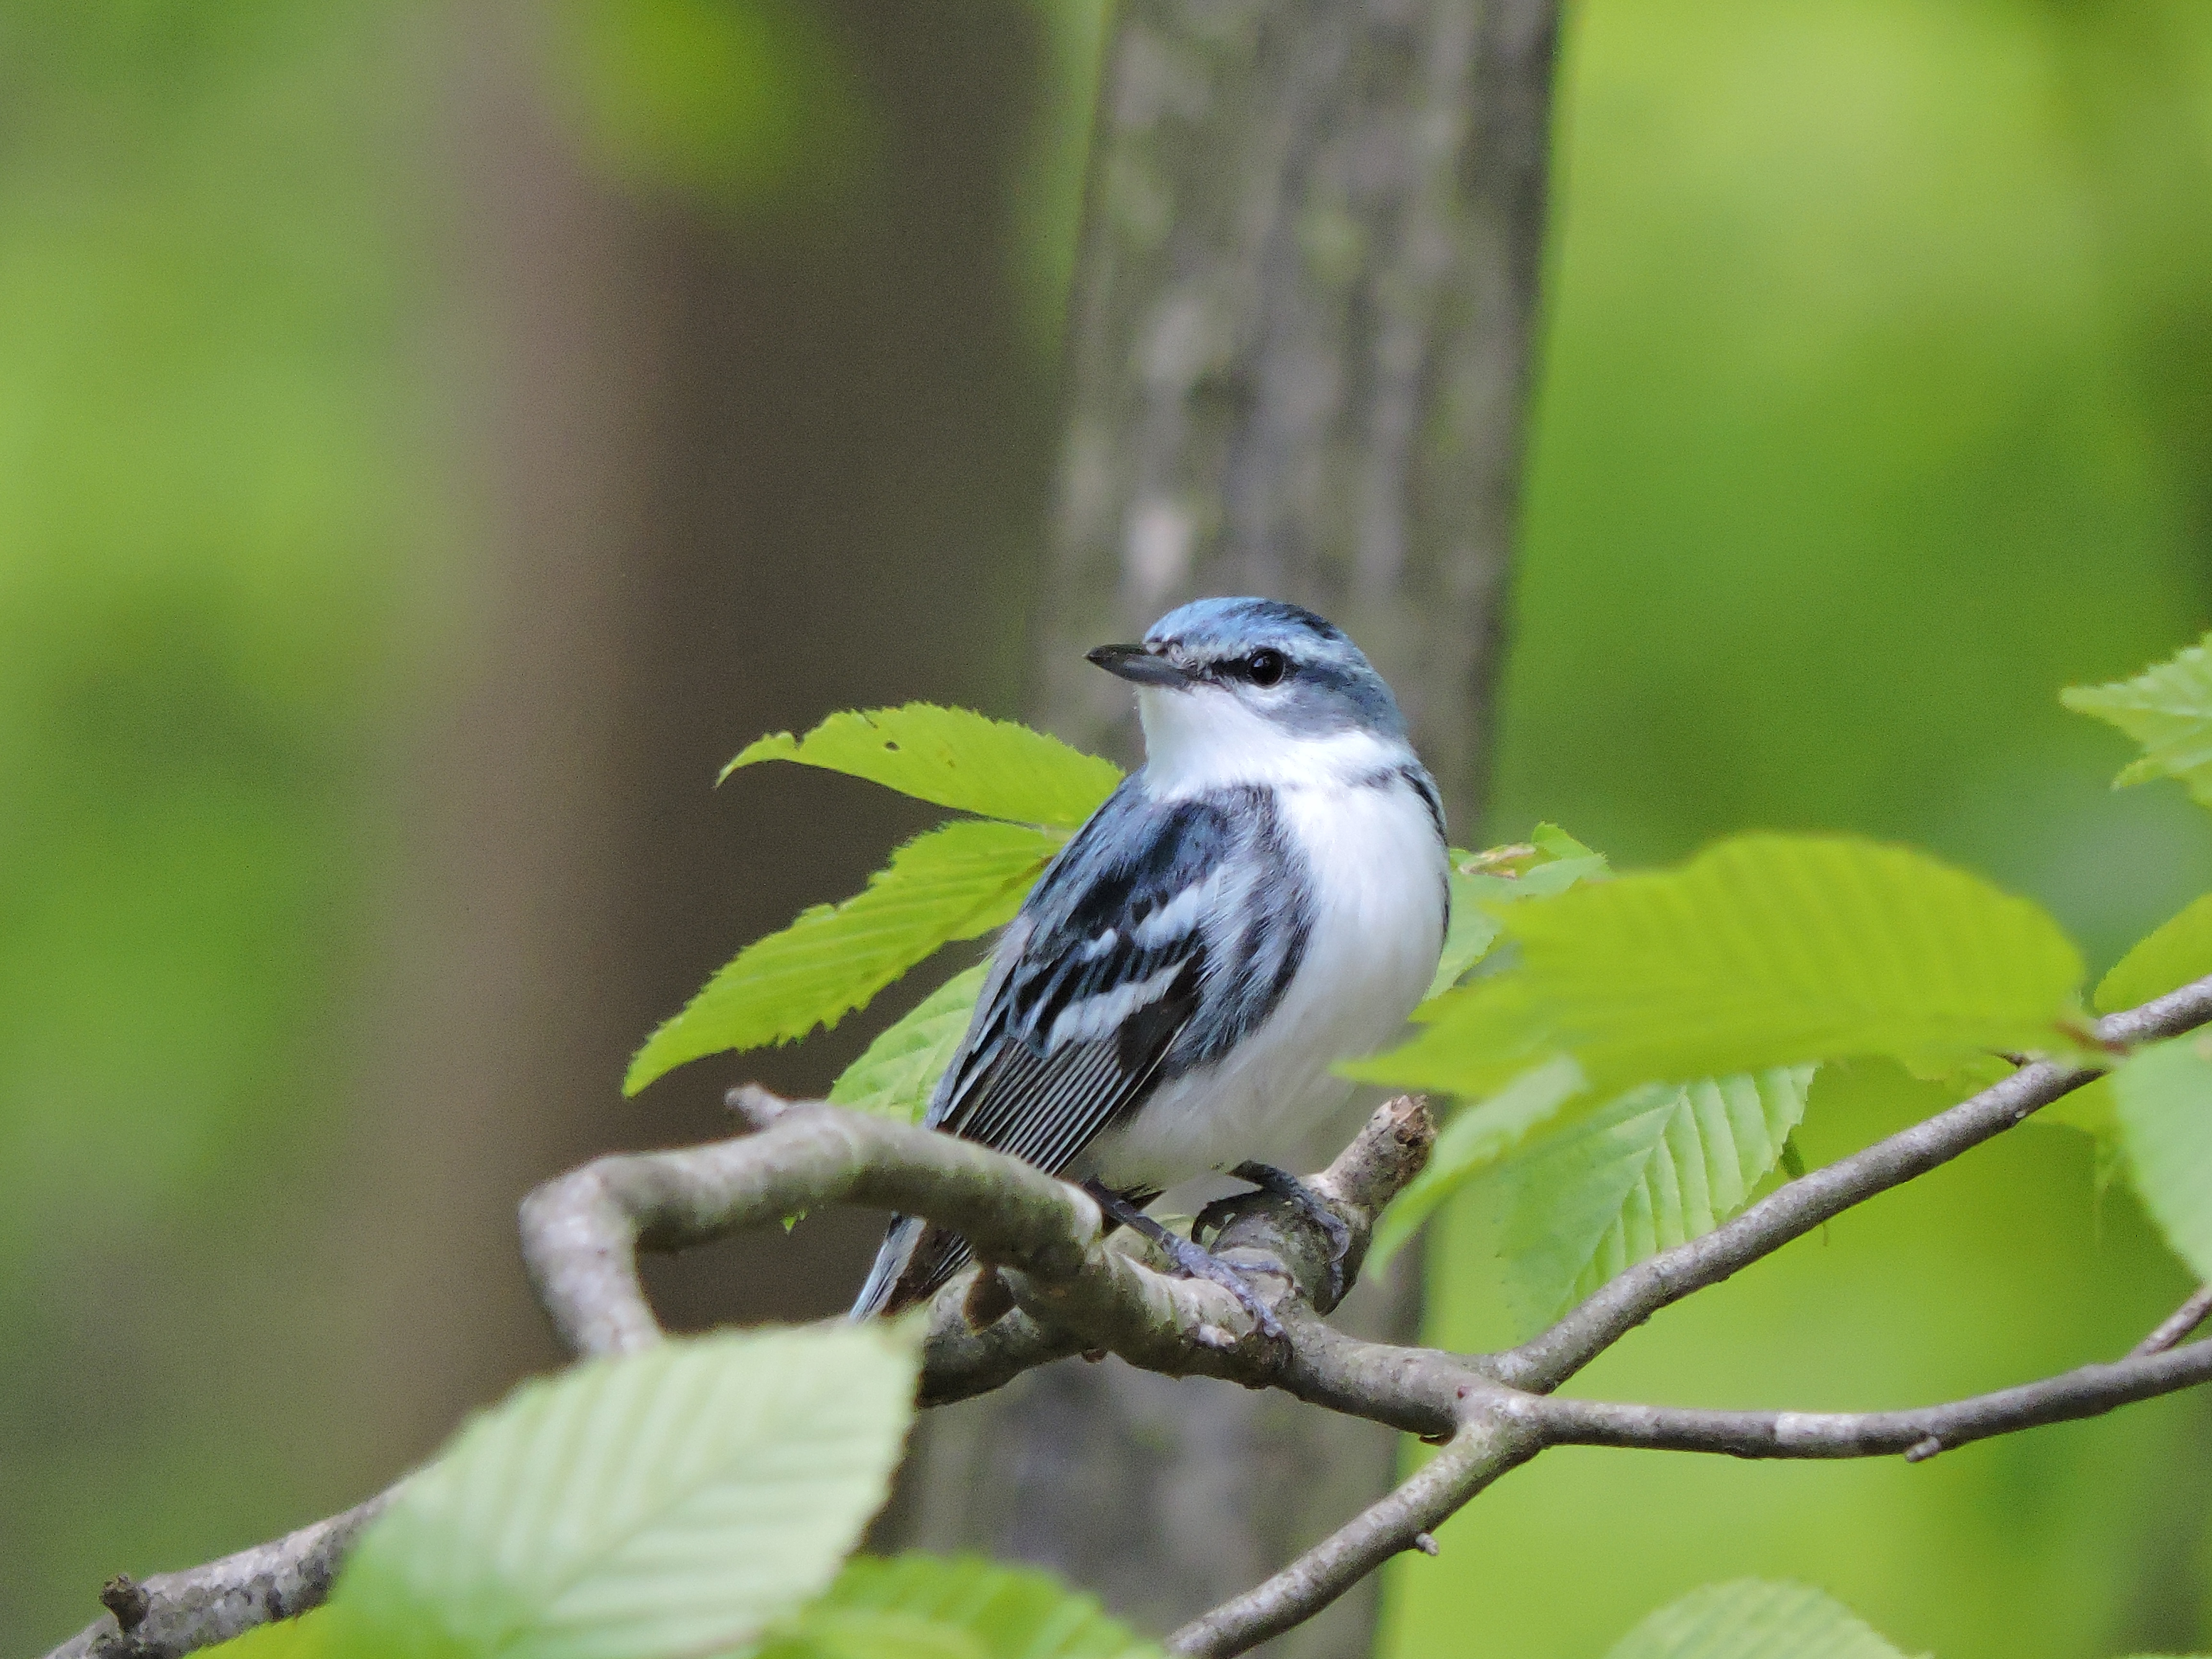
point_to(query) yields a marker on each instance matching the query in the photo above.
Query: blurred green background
(433, 437)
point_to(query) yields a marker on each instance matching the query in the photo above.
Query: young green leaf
(899, 1072)
(1472, 1140)
(952, 757)
(1482, 881)
(2176, 951)
(1764, 950)
(2172, 954)
(1749, 1619)
(955, 882)
(922, 1606)
(1474, 1040)
(1662, 1165)
(664, 1505)
(2167, 709)
(2165, 1100)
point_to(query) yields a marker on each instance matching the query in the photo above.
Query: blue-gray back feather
(1161, 935)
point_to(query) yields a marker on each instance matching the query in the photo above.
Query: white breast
(1378, 876)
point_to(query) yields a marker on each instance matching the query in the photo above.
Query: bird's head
(1230, 687)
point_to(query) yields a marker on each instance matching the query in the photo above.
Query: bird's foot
(1284, 1185)
(1196, 1261)
(1193, 1260)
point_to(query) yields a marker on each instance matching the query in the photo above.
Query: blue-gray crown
(1315, 678)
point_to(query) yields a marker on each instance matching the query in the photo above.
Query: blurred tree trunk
(1299, 350)
(733, 471)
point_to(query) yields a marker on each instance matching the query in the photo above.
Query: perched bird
(1267, 895)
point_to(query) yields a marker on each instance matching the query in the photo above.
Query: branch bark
(172, 1614)
(1919, 1434)
(1485, 1446)
(1076, 1288)
(2178, 1325)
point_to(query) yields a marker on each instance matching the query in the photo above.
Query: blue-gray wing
(1157, 937)
(1095, 979)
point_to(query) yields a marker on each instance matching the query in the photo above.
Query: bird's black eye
(1265, 668)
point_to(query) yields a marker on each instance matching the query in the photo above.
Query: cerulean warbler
(1266, 895)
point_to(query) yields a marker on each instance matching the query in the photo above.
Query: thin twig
(172, 1614)
(1485, 1447)
(1791, 1210)
(1919, 1433)
(2178, 1325)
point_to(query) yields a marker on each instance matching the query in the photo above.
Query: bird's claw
(1195, 1261)
(1314, 1208)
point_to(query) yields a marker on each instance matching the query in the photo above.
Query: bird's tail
(916, 1259)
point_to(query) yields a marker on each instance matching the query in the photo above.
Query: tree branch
(2178, 1325)
(1792, 1211)
(1919, 1434)
(1485, 1446)
(172, 1614)
(1076, 1288)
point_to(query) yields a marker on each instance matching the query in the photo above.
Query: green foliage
(1662, 1164)
(2167, 709)
(951, 758)
(1764, 950)
(1551, 862)
(2173, 953)
(670, 1503)
(2164, 1096)
(688, 1500)
(899, 1072)
(2178, 950)
(1750, 1619)
(955, 882)
(919, 1607)
(1471, 1140)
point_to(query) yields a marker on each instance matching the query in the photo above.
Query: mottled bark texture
(1299, 349)
(1300, 339)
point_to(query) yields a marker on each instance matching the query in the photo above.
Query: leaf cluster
(698, 1498)
(1636, 1052)
(1028, 793)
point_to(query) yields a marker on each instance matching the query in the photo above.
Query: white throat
(1205, 738)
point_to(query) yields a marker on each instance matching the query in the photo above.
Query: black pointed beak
(1139, 664)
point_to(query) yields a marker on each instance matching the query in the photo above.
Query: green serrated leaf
(1480, 882)
(1471, 1142)
(1764, 950)
(664, 1505)
(953, 883)
(1662, 1165)
(2165, 1100)
(919, 1605)
(899, 1072)
(2176, 951)
(2167, 709)
(1750, 1619)
(953, 758)
(1481, 1036)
